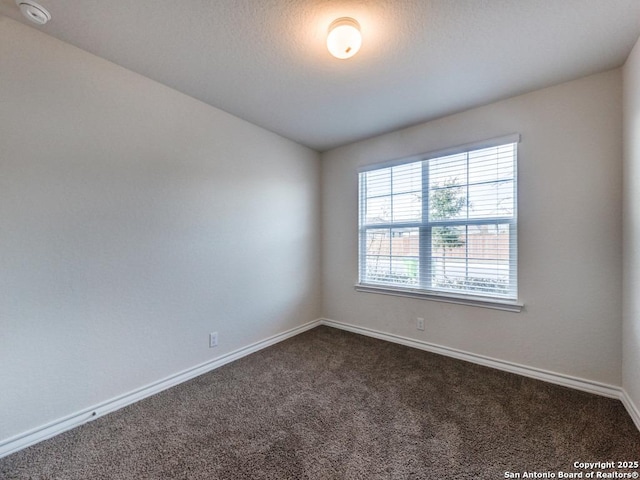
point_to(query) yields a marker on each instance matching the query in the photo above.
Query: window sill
(497, 304)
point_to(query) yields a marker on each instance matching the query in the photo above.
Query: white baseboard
(532, 372)
(585, 385)
(44, 432)
(631, 407)
(56, 427)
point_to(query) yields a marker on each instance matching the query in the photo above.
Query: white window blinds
(446, 223)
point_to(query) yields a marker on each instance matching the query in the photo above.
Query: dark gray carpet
(329, 404)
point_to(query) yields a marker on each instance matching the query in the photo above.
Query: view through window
(444, 224)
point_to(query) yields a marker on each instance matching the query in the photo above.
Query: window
(443, 224)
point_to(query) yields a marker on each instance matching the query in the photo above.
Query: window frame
(424, 291)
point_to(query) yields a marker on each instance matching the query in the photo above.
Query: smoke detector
(34, 11)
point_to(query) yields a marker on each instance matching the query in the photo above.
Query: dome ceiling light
(344, 38)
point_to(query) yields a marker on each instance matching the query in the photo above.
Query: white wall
(570, 233)
(631, 209)
(134, 220)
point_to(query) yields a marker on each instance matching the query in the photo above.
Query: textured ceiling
(266, 61)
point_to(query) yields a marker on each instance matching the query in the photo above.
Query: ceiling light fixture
(34, 11)
(344, 39)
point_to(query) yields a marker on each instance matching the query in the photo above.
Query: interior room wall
(134, 221)
(570, 233)
(631, 229)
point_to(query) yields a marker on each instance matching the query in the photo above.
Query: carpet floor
(329, 404)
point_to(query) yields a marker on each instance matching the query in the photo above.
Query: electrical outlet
(213, 339)
(420, 323)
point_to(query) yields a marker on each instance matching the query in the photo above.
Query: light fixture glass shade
(344, 39)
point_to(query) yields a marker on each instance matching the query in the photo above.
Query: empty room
(319, 239)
